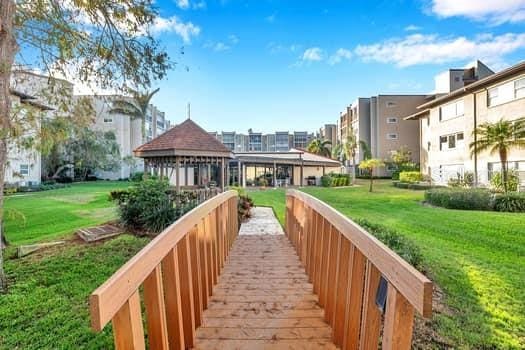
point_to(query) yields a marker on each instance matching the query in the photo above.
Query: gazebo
(187, 155)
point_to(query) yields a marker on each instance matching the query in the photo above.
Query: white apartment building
(447, 123)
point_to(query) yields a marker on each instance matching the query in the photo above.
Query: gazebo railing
(357, 278)
(176, 272)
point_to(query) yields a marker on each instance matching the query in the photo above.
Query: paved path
(263, 299)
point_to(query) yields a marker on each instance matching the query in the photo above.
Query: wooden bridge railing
(177, 271)
(356, 277)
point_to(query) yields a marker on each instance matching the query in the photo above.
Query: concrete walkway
(263, 299)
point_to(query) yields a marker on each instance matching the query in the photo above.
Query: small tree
(319, 147)
(370, 165)
(499, 138)
(350, 148)
(401, 156)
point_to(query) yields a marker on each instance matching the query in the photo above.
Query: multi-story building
(448, 122)
(280, 141)
(129, 132)
(329, 133)
(378, 121)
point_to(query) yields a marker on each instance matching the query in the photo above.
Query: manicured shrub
(146, 206)
(395, 241)
(460, 198)
(137, 177)
(496, 181)
(245, 205)
(414, 186)
(513, 202)
(410, 176)
(466, 180)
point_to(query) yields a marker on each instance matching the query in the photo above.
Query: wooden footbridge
(324, 283)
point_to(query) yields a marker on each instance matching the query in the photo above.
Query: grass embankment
(47, 215)
(477, 258)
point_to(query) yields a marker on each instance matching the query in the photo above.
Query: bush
(146, 206)
(404, 167)
(466, 180)
(137, 177)
(459, 198)
(395, 241)
(513, 202)
(409, 186)
(410, 176)
(244, 207)
(497, 181)
(335, 180)
(326, 180)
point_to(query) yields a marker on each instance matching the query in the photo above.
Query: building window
(428, 146)
(391, 120)
(108, 120)
(519, 88)
(452, 110)
(24, 169)
(450, 142)
(493, 96)
(391, 136)
(390, 104)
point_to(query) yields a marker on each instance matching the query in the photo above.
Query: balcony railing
(176, 273)
(357, 278)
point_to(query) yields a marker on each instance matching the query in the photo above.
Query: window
(391, 120)
(519, 88)
(428, 146)
(452, 110)
(450, 142)
(493, 96)
(390, 104)
(391, 136)
(108, 120)
(24, 169)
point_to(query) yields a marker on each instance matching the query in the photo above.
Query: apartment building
(128, 131)
(378, 121)
(280, 141)
(447, 123)
(328, 132)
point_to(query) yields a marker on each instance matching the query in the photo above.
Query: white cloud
(412, 28)
(427, 49)
(186, 4)
(221, 45)
(233, 39)
(340, 55)
(271, 18)
(494, 11)
(174, 25)
(313, 54)
(274, 47)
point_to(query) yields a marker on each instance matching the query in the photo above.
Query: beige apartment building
(447, 123)
(379, 122)
(328, 133)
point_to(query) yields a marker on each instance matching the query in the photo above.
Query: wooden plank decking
(263, 299)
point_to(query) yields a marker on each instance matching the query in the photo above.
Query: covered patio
(188, 156)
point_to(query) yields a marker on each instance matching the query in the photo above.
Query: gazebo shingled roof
(187, 138)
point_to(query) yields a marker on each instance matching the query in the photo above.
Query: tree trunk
(371, 179)
(504, 168)
(353, 169)
(8, 49)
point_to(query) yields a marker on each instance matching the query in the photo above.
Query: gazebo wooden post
(244, 175)
(185, 172)
(146, 169)
(223, 171)
(177, 174)
(274, 174)
(302, 166)
(239, 174)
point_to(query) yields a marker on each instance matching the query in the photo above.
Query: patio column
(223, 170)
(274, 174)
(185, 172)
(239, 175)
(324, 170)
(244, 175)
(302, 165)
(177, 174)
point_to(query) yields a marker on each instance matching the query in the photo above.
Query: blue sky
(294, 65)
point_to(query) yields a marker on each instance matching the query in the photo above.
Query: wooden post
(185, 172)
(244, 175)
(177, 174)
(239, 174)
(274, 174)
(302, 165)
(127, 325)
(222, 174)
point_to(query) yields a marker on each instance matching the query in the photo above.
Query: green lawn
(476, 258)
(41, 216)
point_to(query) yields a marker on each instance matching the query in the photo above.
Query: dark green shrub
(460, 198)
(146, 206)
(466, 180)
(513, 202)
(410, 176)
(244, 207)
(496, 181)
(395, 241)
(137, 177)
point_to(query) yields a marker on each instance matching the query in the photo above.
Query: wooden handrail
(171, 269)
(345, 264)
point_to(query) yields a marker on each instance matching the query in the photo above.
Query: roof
(30, 100)
(294, 156)
(421, 114)
(478, 85)
(186, 139)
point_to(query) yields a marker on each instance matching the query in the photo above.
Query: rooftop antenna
(189, 111)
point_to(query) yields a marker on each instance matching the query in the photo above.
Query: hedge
(459, 198)
(411, 186)
(410, 176)
(335, 180)
(513, 202)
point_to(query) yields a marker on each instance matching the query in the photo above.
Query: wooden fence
(368, 292)
(177, 271)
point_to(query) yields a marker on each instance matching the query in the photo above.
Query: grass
(47, 303)
(477, 258)
(47, 215)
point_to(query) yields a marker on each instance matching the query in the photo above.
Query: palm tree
(499, 138)
(136, 107)
(320, 147)
(367, 152)
(350, 149)
(370, 165)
